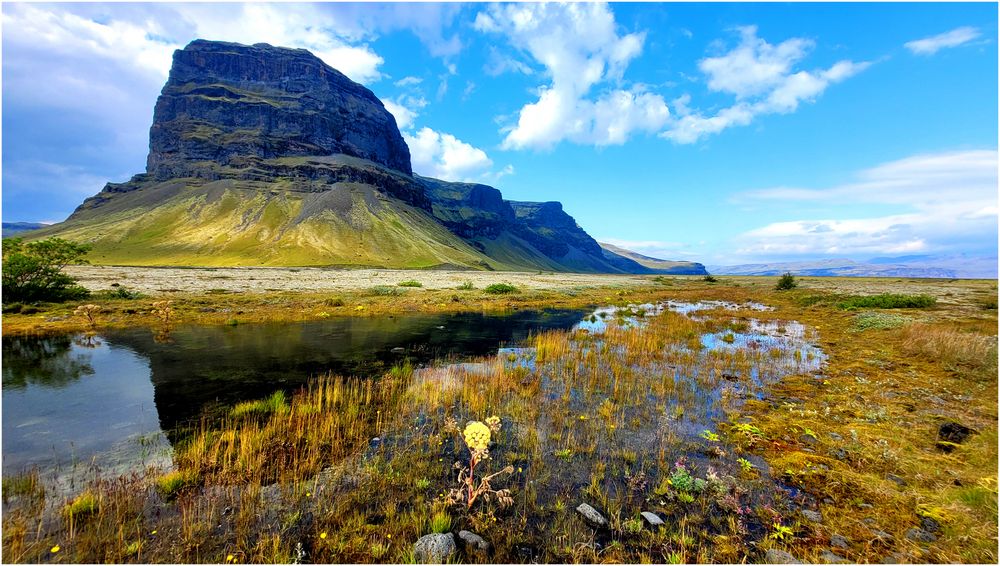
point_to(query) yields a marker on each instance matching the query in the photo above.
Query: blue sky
(721, 133)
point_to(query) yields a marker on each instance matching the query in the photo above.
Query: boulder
(774, 556)
(592, 517)
(434, 548)
(652, 519)
(472, 542)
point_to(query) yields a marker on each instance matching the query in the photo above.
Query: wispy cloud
(933, 44)
(946, 201)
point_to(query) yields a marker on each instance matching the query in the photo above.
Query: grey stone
(836, 437)
(434, 548)
(807, 439)
(865, 506)
(896, 479)
(473, 542)
(930, 524)
(814, 516)
(591, 516)
(882, 536)
(839, 541)
(839, 453)
(774, 556)
(920, 535)
(895, 558)
(652, 519)
(827, 557)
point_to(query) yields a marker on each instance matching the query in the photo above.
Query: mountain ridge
(263, 155)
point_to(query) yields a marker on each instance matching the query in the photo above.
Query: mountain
(15, 228)
(613, 253)
(262, 155)
(921, 266)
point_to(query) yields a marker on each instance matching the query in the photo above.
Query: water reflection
(69, 399)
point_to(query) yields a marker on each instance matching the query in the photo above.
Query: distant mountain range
(15, 228)
(930, 266)
(662, 266)
(262, 155)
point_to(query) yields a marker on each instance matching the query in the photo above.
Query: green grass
(261, 407)
(878, 321)
(410, 283)
(887, 301)
(440, 522)
(468, 286)
(500, 289)
(85, 504)
(170, 484)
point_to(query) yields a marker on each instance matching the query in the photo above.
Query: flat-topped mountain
(262, 155)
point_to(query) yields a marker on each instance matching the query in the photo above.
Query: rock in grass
(652, 519)
(827, 557)
(882, 536)
(591, 516)
(930, 524)
(953, 432)
(813, 516)
(774, 556)
(473, 542)
(839, 541)
(434, 548)
(920, 535)
(896, 480)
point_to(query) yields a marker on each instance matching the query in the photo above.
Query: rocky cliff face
(262, 155)
(227, 105)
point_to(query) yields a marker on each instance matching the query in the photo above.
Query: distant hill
(913, 266)
(615, 254)
(262, 155)
(15, 228)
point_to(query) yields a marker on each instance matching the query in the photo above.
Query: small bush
(500, 289)
(85, 504)
(786, 282)
(710, 279)
(878, 321)
(410, 283)
(384, 291)
(333, 302)
(887, 301)
(33, 271)
(466, 286)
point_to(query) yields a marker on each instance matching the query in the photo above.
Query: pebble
(773, 556)
(896, 479)
(434, 548)
(652, 519)
(920, 535)
(836, 437)
(591, 516)
(814, 516)
(839, 541)
(827, 557)
(473, 542)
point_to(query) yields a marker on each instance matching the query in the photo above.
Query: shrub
(878, 321)
(121, 292)
(500, 289)
(410, 283)
(709, 278)
(384, 291)
(466, 286)
(33, 271)
(786, 282)
(85, 504)
(888, 301)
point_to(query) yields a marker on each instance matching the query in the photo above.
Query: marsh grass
(356, 470)
(887, 301)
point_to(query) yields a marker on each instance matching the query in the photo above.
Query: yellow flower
(55, 549)
(477, 436)
(154, 532)
(388, 535)
(494, 423)
(322, 535)
(230, 558)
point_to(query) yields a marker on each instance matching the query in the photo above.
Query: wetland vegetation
(751, 422)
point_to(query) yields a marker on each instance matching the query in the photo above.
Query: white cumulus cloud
(762, 78)
(580, 48)
(933, 44)
(443, 156)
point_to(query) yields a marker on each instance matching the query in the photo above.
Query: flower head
(477, 436)
(55, 549)
(494, 423)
